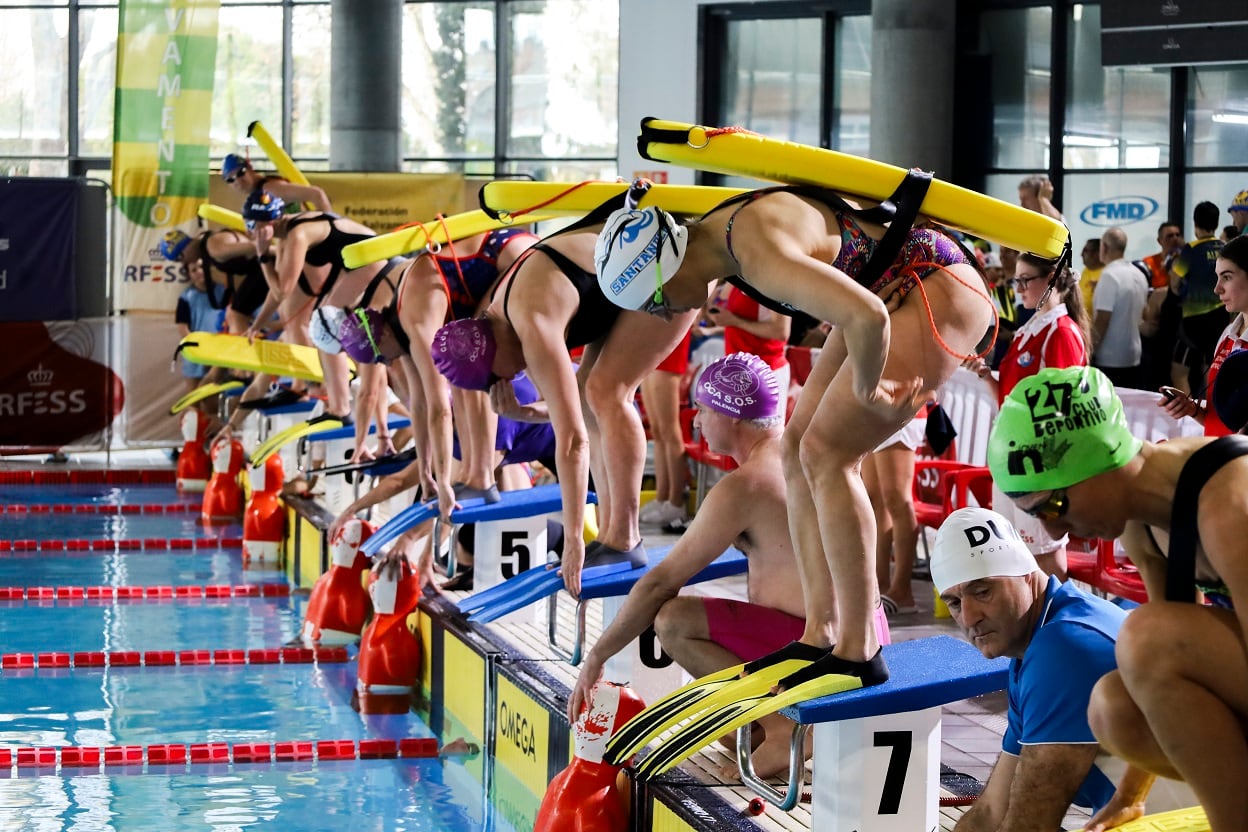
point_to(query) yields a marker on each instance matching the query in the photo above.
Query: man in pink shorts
(740, 412)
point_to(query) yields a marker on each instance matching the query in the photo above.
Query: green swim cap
(1058, 428)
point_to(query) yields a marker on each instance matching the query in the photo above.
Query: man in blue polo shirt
(1060, 641)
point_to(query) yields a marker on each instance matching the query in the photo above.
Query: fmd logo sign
(1119, 210)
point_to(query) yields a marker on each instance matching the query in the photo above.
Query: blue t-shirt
(1071, 649)
(196, 310)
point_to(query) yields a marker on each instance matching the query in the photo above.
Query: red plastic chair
(1095, 563)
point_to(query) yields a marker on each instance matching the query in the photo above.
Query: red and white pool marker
(158, 476)
(134, 544)
(216, 753)
(170, 658)
(80, 594)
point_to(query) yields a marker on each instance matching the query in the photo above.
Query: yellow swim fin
(275, 442)
(714, 724)
(1179, 820)
(197, 395)
(709, 693)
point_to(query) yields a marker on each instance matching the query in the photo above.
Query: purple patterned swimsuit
(923, 245)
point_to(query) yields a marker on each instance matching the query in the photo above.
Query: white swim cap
(324, 328)
(638, 251)
(976, 543)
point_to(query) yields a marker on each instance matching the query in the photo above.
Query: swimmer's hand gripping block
(216, 349)
(223, 217)
(512, 197)
(417, 237)
(741, 153)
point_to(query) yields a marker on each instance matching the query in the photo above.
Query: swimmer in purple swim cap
(740, 385)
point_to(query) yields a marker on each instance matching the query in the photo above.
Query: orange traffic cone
(264, 522)
(340, 603)
(194, 466)
(223, 498)
(584, 797)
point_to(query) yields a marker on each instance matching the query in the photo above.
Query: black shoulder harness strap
(899, 212)
(1184, 535)
(206, 263)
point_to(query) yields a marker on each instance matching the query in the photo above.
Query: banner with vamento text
(166, 57)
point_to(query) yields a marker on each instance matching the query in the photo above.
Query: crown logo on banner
(39, 377)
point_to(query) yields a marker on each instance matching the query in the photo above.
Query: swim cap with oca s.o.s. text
(1058, 428)
(360, 334)
(740, 385)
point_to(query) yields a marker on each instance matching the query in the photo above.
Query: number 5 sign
(505, 548)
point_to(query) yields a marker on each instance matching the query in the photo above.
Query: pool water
(97, 707)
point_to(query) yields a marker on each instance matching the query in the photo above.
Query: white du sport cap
(975, 543)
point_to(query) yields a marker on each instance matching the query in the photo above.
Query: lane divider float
(172, 658)
(218, 753)
(100, 477)
(160, 592)
(149, 544)
(100, 508)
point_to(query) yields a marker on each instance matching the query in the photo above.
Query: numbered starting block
(643, 664)
(327, 453)
(880, 746)
(510, 534)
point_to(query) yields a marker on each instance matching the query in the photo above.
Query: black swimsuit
(327, 252)
(243, 297)
(595, 314)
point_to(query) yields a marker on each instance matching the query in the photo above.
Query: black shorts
(250, 294)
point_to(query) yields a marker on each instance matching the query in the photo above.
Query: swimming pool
(89, 674)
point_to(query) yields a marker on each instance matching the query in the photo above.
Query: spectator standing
(1239, 211)
(1162, 313)
(1117, 309)
(1193, 278)
(1091, 273)
(1035, 193)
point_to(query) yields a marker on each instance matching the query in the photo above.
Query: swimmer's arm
(387, 487)
(546, 357)
(514, 247)
(228, 250)
(1127, 802)
(307, 194)
(372, 379)
(1147, 559)
(437, 394)
(1031, 792)
(715, 527)
(1223, 526)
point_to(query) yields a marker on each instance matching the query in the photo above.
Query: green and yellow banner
(166, 58)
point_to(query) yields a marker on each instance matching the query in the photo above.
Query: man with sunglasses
(1176, 705)
(1060, 641)
(239, 174)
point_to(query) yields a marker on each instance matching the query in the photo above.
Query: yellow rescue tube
(513, 197)
(279, 157)
(223, 216)
(741, 153)
(216, 349)
(437, 231)
(1180, 820)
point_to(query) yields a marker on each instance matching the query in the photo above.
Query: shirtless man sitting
(739, 413)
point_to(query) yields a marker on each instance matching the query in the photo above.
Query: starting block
(880, 746)
(511, 533)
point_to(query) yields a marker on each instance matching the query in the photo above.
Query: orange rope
(913, 268)
(451, 245)
(712, 132)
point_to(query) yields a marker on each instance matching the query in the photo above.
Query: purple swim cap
(463, 351)
(740, 385)
(360, 335)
